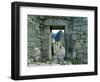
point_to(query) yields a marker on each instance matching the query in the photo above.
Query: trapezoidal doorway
(57, 44)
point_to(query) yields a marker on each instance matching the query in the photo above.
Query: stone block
(83, 37)
(84, 28)
(80, 56)
(81, 51)
(81, 41)
(74, 32)
(74, 37)
(76, 28)
(74, 54)
(78, 45)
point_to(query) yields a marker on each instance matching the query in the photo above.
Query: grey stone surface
(39, 38)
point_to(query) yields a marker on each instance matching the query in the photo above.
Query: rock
(81, 41)
(74, 54)
(85, 50)
(81, 51)
(76, 28)
(85, 61)
(69, 63)
(83, 37)
(77, 45)
(35, 55)
(80, 56)
(74, 37)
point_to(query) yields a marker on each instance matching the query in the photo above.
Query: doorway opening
(57, 41)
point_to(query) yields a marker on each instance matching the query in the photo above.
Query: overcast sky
(55, 31)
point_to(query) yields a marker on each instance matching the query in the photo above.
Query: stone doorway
(57, 39)
(58, 24)
(40, 49)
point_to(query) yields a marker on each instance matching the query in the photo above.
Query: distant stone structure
(75, 36)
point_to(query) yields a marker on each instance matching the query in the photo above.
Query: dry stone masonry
(80, 39)
(40, 41)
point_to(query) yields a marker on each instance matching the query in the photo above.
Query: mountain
(58, 36)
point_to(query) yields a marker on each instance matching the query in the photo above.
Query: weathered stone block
(81, 51)
(74, 55)
(76, 28)
(80, 56)
(74, 37)
(83, 36)
(77, 45)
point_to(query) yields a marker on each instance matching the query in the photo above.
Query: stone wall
(39, 42)
(68, 39)
(79, 36)
(34, 44)
(39, 38)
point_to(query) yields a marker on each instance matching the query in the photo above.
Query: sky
(55, 31)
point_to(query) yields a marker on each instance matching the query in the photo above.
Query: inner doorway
(57, 41)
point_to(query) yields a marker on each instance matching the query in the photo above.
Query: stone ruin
(39, 38)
